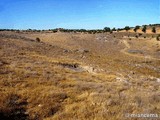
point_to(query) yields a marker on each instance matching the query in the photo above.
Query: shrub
(154, 30)
(94, 32)
(111, 32)
(38, 39)
(140, 34)
(54, 31)
(144, 29)
(158, 38)
(12, 107)
(136, 28)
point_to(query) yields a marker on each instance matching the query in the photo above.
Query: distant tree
(118, 29)
(144, 29)
(54, 30)
(89, 32)
(17, 31)
(29, 29)
(114, 29)
(154, 30)
(136, 28)
(127, 28)
(107, 29)
(99, 31)
(82, 30)
(94, 32)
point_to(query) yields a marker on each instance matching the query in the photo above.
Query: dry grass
(55, 80)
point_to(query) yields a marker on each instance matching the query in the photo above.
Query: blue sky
(87, 14)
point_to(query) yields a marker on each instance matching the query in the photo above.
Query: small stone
(158, 80)
(40, 105)
(110, 102)
(65, 51)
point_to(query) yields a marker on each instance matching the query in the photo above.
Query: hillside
(78, 76)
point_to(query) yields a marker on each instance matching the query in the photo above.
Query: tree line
(106, 29)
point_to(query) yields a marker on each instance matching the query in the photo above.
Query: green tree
(127, 28)
(107, 29)
(144, 29)
(136, 28)
(114, 29)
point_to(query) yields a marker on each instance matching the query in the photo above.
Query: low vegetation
(127, 28)
(136, 28)
(106, 29)
(158, 37)
(154, 30)
(63, 74)
(38, 39)
(144, 28)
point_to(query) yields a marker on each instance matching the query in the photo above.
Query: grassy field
(78, 76)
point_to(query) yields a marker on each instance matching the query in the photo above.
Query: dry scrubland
(76, 76)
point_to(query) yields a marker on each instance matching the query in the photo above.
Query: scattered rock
(40, 105)
(135, 51)
(82, 50)
(66, 51)
(110, 102)
(158, 80)
(88, 69)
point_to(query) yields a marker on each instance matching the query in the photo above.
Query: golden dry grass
(73, 76)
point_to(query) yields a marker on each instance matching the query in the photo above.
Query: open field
(78, 76)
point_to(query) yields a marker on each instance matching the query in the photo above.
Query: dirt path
(127, 46)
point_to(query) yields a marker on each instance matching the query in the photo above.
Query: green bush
(144, 29)
(114, 29)
(127, 28)
(136, 28)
